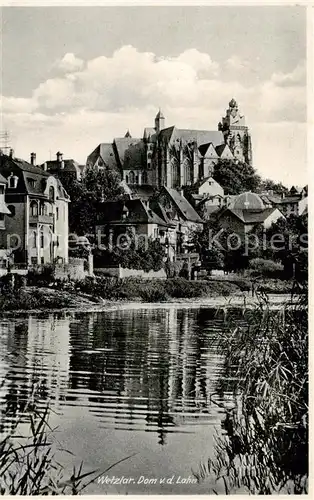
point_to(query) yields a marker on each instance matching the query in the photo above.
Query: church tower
(236, 133)
(159, 122)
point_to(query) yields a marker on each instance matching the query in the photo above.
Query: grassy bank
(57, 295)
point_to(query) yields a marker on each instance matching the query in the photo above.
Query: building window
(127, 179)
(144, 178)
(34, 239)
(12, 210)
(13, 181)
(1, 189)
(131, 177)
(57, 213)
(34, 209)
(31, 182)
(52, 193)
(136, 179)
(1, 221)
(42, 239)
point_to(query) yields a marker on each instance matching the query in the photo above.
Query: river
(121, 382)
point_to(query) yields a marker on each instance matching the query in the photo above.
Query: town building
(174, 157)
(293, 203)
(36, 227)
(246, 213)
(121, 219)
(207, 196)
(66, 170)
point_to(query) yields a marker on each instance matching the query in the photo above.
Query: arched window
(131, 177)
(174, 175)
(187, 175)
(13, 179)
(144, 178)
(34, 239)
(34, 209)
(52, 193)
(42, 238)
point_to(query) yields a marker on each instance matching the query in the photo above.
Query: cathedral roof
(130, 151)
(201, 136)
(204, 148)
(106, 152)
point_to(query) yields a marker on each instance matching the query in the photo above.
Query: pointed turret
(159, 121)
(128, 134)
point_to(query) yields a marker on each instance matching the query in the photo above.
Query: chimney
(45, 166)
(59, 157)
(33, 158)
(11, 154)
(282, 195)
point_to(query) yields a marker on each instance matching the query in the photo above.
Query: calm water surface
(121, 382)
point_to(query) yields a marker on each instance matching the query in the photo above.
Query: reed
(28, 465)
(263, 446)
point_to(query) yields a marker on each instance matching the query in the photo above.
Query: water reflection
(134, 370)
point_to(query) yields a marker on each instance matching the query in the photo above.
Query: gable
(226, 153)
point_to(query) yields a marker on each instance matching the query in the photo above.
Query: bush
(41, 276)
(153, 294)
(265, 268)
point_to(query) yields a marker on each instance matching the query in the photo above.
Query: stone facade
(174, 157)
(36, 229)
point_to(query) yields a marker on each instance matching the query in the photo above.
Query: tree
(95, 186)
(235, 176)
(133, 256)
(269, 185)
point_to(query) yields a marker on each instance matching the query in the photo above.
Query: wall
(120, 272)
(76, 269)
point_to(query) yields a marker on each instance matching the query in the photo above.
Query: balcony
(41, 219)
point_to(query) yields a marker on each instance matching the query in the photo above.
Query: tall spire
(159, 121)
(128, 134)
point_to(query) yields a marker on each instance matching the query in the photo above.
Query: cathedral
(173, 157)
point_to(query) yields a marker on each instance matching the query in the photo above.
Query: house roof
(111, 212)
(184, 207)
(285, 200)
(3, 179)
(250, 216)
(201, 182)
(143, 191)
(248, 200)
(32, 179)
(69, 165)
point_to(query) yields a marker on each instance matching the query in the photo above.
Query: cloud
(235, 63)
(95, 100)
(70, 63)
(294, 78)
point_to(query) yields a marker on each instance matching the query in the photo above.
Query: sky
(73, 77)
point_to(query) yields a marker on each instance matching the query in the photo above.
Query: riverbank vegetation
(263, 448)
(42, 291)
